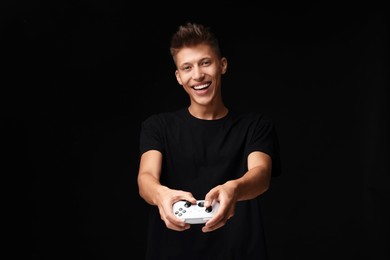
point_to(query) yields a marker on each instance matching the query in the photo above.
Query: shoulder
(164, 118)
(251, 117)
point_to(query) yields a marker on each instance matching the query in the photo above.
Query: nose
(198, 74)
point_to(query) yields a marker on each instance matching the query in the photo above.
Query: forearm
(149, 188)
(252, 184)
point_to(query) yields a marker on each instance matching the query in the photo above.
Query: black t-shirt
(198, 155)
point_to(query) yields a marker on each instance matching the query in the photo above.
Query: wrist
(234, 187)
(160, 191)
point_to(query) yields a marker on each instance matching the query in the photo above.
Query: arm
(149, 176)
(252, 184)
(154, 193)
(256, 180)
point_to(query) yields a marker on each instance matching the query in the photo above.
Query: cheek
(183, 80)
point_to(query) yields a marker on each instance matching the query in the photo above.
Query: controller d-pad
(180, 212)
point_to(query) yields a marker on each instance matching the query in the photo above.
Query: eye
(206, 63)
(186, 68)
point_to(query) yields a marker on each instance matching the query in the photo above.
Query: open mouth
(201, 87)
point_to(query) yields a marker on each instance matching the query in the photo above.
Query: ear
(224, 65)
(178, 77)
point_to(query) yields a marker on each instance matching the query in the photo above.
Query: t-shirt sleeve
(265, 139)
(151, 135)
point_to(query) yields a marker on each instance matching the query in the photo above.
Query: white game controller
(194, 213)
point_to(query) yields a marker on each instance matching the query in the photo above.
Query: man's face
(199, 71)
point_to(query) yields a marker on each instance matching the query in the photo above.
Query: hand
(166, 198)
(225, 195)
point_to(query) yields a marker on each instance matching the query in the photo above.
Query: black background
(82, 75)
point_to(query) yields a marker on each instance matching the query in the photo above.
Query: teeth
(201, 86)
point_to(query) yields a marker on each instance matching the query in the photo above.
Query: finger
(209, 228)
(177, 227)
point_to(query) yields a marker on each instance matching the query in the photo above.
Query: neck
(208, 113)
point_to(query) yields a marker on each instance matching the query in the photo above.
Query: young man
(205, 152)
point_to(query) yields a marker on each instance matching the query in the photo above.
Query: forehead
(192, 54)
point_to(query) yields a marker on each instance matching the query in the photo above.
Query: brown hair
(192, 34)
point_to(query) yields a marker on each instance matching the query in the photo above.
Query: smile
(200, 87)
